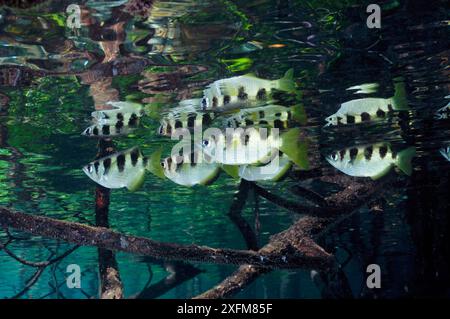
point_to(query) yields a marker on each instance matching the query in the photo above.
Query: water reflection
(149, 70)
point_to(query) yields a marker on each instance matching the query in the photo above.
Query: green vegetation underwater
(224, 149)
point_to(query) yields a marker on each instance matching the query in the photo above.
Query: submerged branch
(105, 238)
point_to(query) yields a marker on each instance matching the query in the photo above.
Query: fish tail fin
(299, 114)
(399, 101)
(154, 163)
(405, 158)
(295, 147)
(232, 170)
(287, 82)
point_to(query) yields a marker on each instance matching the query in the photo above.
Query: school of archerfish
(248, 134)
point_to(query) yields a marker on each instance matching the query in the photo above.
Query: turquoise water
(53, 77)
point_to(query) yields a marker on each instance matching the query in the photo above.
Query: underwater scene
(182, 149)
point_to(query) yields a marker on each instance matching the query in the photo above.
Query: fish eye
(160, 130)
(205, 143)
(334, 156)
(163, 164)
(90, 169)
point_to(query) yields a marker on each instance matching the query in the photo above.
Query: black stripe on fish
(383, 151)
(105, 130)
(106, 165)
(133, 120)
(169, 129)
(206, 120)
(246, 139)
(120, 116)
(226, 99)
(191, 121)
(96, 165)
(248, 122)
(144, 161)
(178, 124)
(134, 157)
(119, 126)
(390, 108)
(353, 153)
(350, 119)
(342, 154)
(214, 102)
(368, 152)
(263, 122)
(241, 94)
(262, 94)
(278, 114)
(169, 163)
(365, 116)
(278, 124)
(394, 155)
(381, 113)
(95, 131)
(261, 114)
(194, 158)
(121, 162)
(338, 119)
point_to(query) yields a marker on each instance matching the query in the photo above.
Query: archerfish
(244, 90)
(369, 109)
(189, 170)
(119, 108)
(188, 121)
(122, 169)
(372, 161)
(255, 146)
(275, 116)
(121, 120)
(445, 151)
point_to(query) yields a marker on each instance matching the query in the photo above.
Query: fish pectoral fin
(136, 183)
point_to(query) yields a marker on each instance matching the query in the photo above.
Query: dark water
(53, 77)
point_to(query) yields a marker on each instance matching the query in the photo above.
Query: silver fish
(188, 121)
(275, 116)
(369, 109)
(122, 169)
(255, 146)
(372, 161)
(195, 169)
(243, 90)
